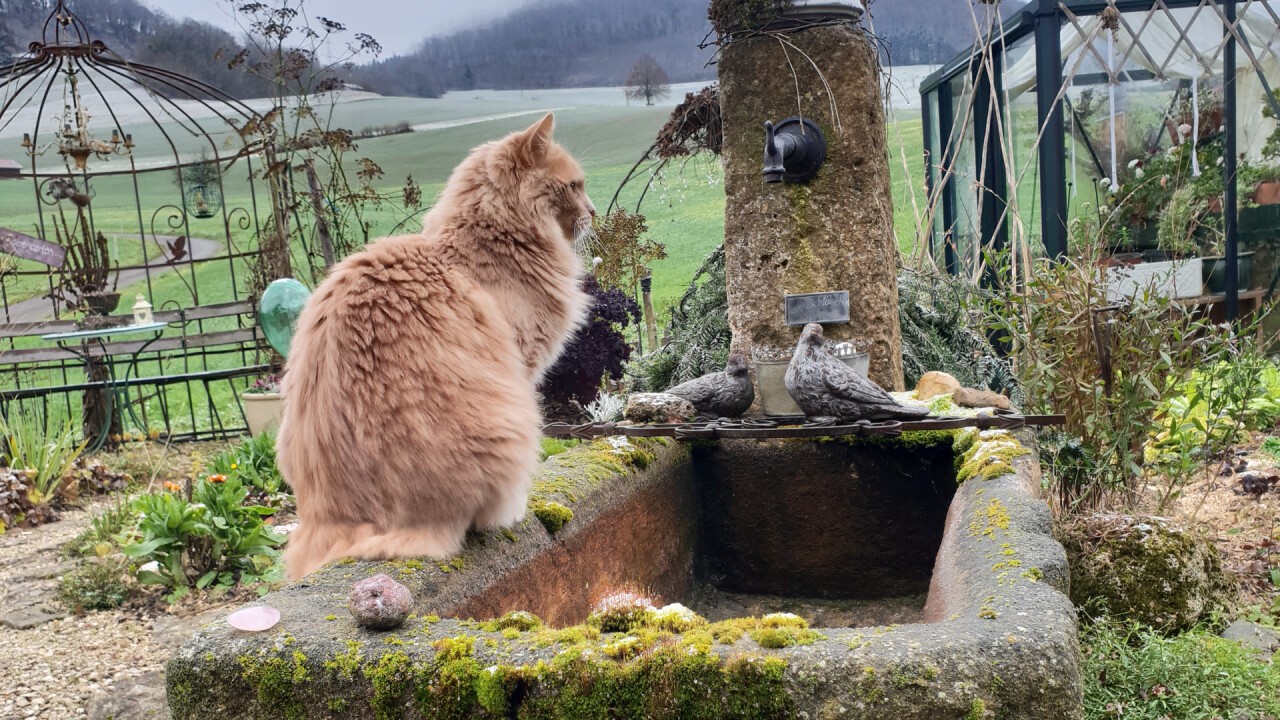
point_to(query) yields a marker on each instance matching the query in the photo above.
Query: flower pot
(262, 411)
(101, 303)
(1172, 278)
(771, 378)
(1215, 273)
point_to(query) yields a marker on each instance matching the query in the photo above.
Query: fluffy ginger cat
(411, 413)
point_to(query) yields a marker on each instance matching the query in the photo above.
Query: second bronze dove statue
(726, 394)
(823, 386)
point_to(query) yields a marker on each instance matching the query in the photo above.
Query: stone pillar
(832, 233)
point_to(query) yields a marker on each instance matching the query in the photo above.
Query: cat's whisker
(585, 238)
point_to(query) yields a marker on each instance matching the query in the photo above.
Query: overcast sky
(398, 24)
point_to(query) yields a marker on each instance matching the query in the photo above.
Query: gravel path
(99, 665)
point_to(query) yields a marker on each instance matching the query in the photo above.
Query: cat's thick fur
(410, 406)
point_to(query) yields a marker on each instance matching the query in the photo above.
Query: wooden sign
(29, 248)
(824, 307)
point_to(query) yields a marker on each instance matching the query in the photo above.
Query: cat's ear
(533, 143)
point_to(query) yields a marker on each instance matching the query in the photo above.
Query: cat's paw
(503, 511)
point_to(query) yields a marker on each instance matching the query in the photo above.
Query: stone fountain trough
(919, 596)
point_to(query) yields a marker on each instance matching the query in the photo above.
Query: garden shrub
(942, 329)
(599, 350)
(1106, 365)
(1133, 672)
(213, 540)
(101, 583)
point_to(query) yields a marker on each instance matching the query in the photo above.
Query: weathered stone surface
(1252, 635)
(1001, 641)
(1145, 568)
(833, 233)
(970, 398)
(658, 408)
(379, 603)
(31, 616)
(935, 383)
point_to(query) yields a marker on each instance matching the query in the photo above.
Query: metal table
(81, 343)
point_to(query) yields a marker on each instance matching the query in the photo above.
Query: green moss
(391, 678)
(337, 705)
(276, 680)
(985, 522)
(989, 454)
(977, 710)
(330, 617)
(553, 516)
(518, 620)
(454, 648)
(909, 440)
(570, 475)
(346, 664)
(495, 687)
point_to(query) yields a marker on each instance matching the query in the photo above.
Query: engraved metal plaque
(824, 307)
(29, 248)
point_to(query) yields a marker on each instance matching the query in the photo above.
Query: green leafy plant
(101, 583)
(214, 540)
(253, 462)
(1209, 413)
(1133, 672)
(1178, 223)
(103, 532)
(45, 458)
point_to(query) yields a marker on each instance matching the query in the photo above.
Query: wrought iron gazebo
(1067, 100)
(105, 206)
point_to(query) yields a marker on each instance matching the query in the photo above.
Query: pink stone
(254, 619)
(379, 603)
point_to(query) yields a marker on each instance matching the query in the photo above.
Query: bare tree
(648, 81)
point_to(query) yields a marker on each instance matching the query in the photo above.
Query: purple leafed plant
(599, 349)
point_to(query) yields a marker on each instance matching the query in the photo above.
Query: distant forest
(556, 43)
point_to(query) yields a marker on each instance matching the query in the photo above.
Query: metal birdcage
(117, 161)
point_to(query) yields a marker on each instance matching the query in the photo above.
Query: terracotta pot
(1267, 193)
(262, 411)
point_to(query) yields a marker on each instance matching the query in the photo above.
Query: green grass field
(684, 208)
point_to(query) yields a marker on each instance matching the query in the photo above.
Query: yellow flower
(234, 466)
(218, 478)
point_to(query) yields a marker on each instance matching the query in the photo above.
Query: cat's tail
(314, 545)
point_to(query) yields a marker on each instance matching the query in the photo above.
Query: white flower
(596, 262)
(1134, 163)
(1184, 129)
(152, 567)
(1219, 159)
(1139, 173)
(1105, 182)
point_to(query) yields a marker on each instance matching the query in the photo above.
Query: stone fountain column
(834, 232)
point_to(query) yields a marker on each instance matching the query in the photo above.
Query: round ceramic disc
(278, 312)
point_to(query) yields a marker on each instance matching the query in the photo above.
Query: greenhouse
(1154, 119)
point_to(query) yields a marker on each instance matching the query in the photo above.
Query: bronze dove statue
(825, 387)
(726, 394)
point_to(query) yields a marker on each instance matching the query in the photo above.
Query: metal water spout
(794, 150)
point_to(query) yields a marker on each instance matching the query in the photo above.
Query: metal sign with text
(30, 248)
(823, 307)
